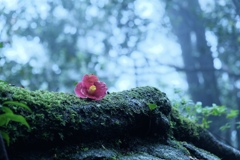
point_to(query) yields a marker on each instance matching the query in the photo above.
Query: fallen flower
(91, 87)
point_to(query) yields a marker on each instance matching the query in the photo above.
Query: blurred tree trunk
(188, 26)
(237, 6)
(237, 90)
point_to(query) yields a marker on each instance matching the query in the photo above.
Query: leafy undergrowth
(198, 113)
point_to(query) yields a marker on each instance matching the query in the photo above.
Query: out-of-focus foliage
(105, 38)
(51, 26)
(199, 113)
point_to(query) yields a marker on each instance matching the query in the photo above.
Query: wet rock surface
(137, 150)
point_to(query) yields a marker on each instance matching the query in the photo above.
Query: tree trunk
(237, 6)
(188, 25)
(237, 90)
(198, 61)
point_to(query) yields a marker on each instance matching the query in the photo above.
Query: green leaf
(20, 119)
(233, 113)
(6, 110)
(215, 110)
(14, 117)
(224, 127)
(1, 44)
(17, 104)
(199, 110)
(205, 123)
(6, 137)
(3, 120)
(152, 106)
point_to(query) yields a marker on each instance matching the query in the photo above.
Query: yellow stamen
(92, 89)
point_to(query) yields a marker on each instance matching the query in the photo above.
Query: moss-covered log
(59, 117)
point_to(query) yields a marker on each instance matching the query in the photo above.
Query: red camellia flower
(91, 87)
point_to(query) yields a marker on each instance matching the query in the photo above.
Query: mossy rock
(120, 126)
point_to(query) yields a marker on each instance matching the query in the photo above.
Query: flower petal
(89, 79)
(80, 90)
(101, 90)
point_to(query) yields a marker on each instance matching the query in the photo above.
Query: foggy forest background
(188, 45)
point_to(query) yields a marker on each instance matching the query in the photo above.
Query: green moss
(182, 127)
(123, 116)
(54, 112)
(45, 106)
